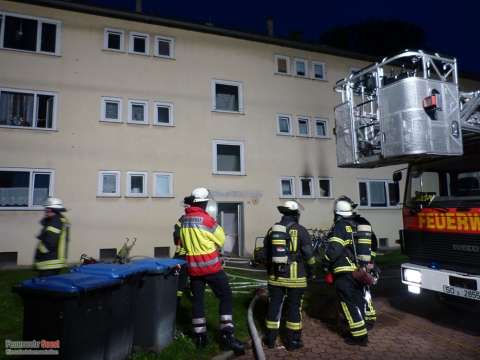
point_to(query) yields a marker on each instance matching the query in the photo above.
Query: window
(114, 39)
(306, 187)
(138, 111)
(26, 108)
(227, 96)
(284, 126)
(164, 47)
(282, 64)
(228, 158)
(111, 109)
(163, 113)
(379, 193)
(25, 188)
(287, 187)
(325, 187)
(109, 183)
(321, 128)
(137, 184)
(30, 34)
(301, 67)
(162, 184)
(139, 43)
(318, 70)
(303, 126)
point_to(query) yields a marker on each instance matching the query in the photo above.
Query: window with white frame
(303, 126)
(109, 183)
(163, 113)
(162, 184)
(25, 188)
(228, 157)
(27, 33)
(379, 193)
(227, 96)
(137, 184)
(325, 187)
(301, 67)
(139, 43)
(111, 109)
(306, 188)
(164, 47)
(318, 70)
(321, 130)
(287, 187)
(138, 111)
(282, 64)
(27, 108)
(284, 124)
(114, 39)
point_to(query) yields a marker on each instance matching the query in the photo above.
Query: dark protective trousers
(352, 303)
(293, 301)
(218, 282)
(182, 279)
(370, 313)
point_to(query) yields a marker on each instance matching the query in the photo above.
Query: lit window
(113, 39)
(137, 184)
(227, 96)
(27, 109)
(303, 127)
(162, 184)
(111, 109)
(25, 188)
(228, 158)
(139, 43)
(138, 112)
(287, 187)
(282, 64)
(164, 47)
(284, 126)
(318, 70)
(109, 183)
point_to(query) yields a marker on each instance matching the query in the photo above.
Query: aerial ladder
(404, 108)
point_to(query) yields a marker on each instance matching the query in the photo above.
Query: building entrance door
(230, 217)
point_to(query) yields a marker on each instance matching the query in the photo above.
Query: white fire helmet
(54, 203)
(343, 207)
(289, 206)
(200, 194)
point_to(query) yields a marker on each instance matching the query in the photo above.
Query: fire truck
(408, 109)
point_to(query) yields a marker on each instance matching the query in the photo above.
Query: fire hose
(257, 342)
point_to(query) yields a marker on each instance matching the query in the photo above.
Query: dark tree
(376, 37)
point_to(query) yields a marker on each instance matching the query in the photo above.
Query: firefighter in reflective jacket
(202, 237)
(180, 253)
(51, 252)
(289, 260)
(348, 250)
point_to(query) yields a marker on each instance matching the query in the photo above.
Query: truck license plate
(466, 293)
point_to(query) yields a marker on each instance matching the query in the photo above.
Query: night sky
(450, 29)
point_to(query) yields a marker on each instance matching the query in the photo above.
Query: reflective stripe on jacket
(53, 239)
(201, 237)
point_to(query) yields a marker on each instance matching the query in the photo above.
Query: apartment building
(122, 115)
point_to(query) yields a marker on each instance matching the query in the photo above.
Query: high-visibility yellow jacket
(53, 239)
(179, 250)
(201, 237)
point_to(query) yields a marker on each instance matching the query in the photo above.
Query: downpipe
(257, 341)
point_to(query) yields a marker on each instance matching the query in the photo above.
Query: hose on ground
(257, 342)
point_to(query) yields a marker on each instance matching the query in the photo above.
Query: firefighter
(289, 260)
(51, 252)
(180, 253)
(347, 256)
(202, 237)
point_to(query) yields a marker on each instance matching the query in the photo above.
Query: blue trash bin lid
(69, 283)
(171, 263)
(114, 271)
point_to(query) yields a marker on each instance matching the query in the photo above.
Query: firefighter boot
(270, 337)
(201, 340)
(359, 341)
(294, 340)
(229, 342)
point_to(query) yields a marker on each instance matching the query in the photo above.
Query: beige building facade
(122, 119)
